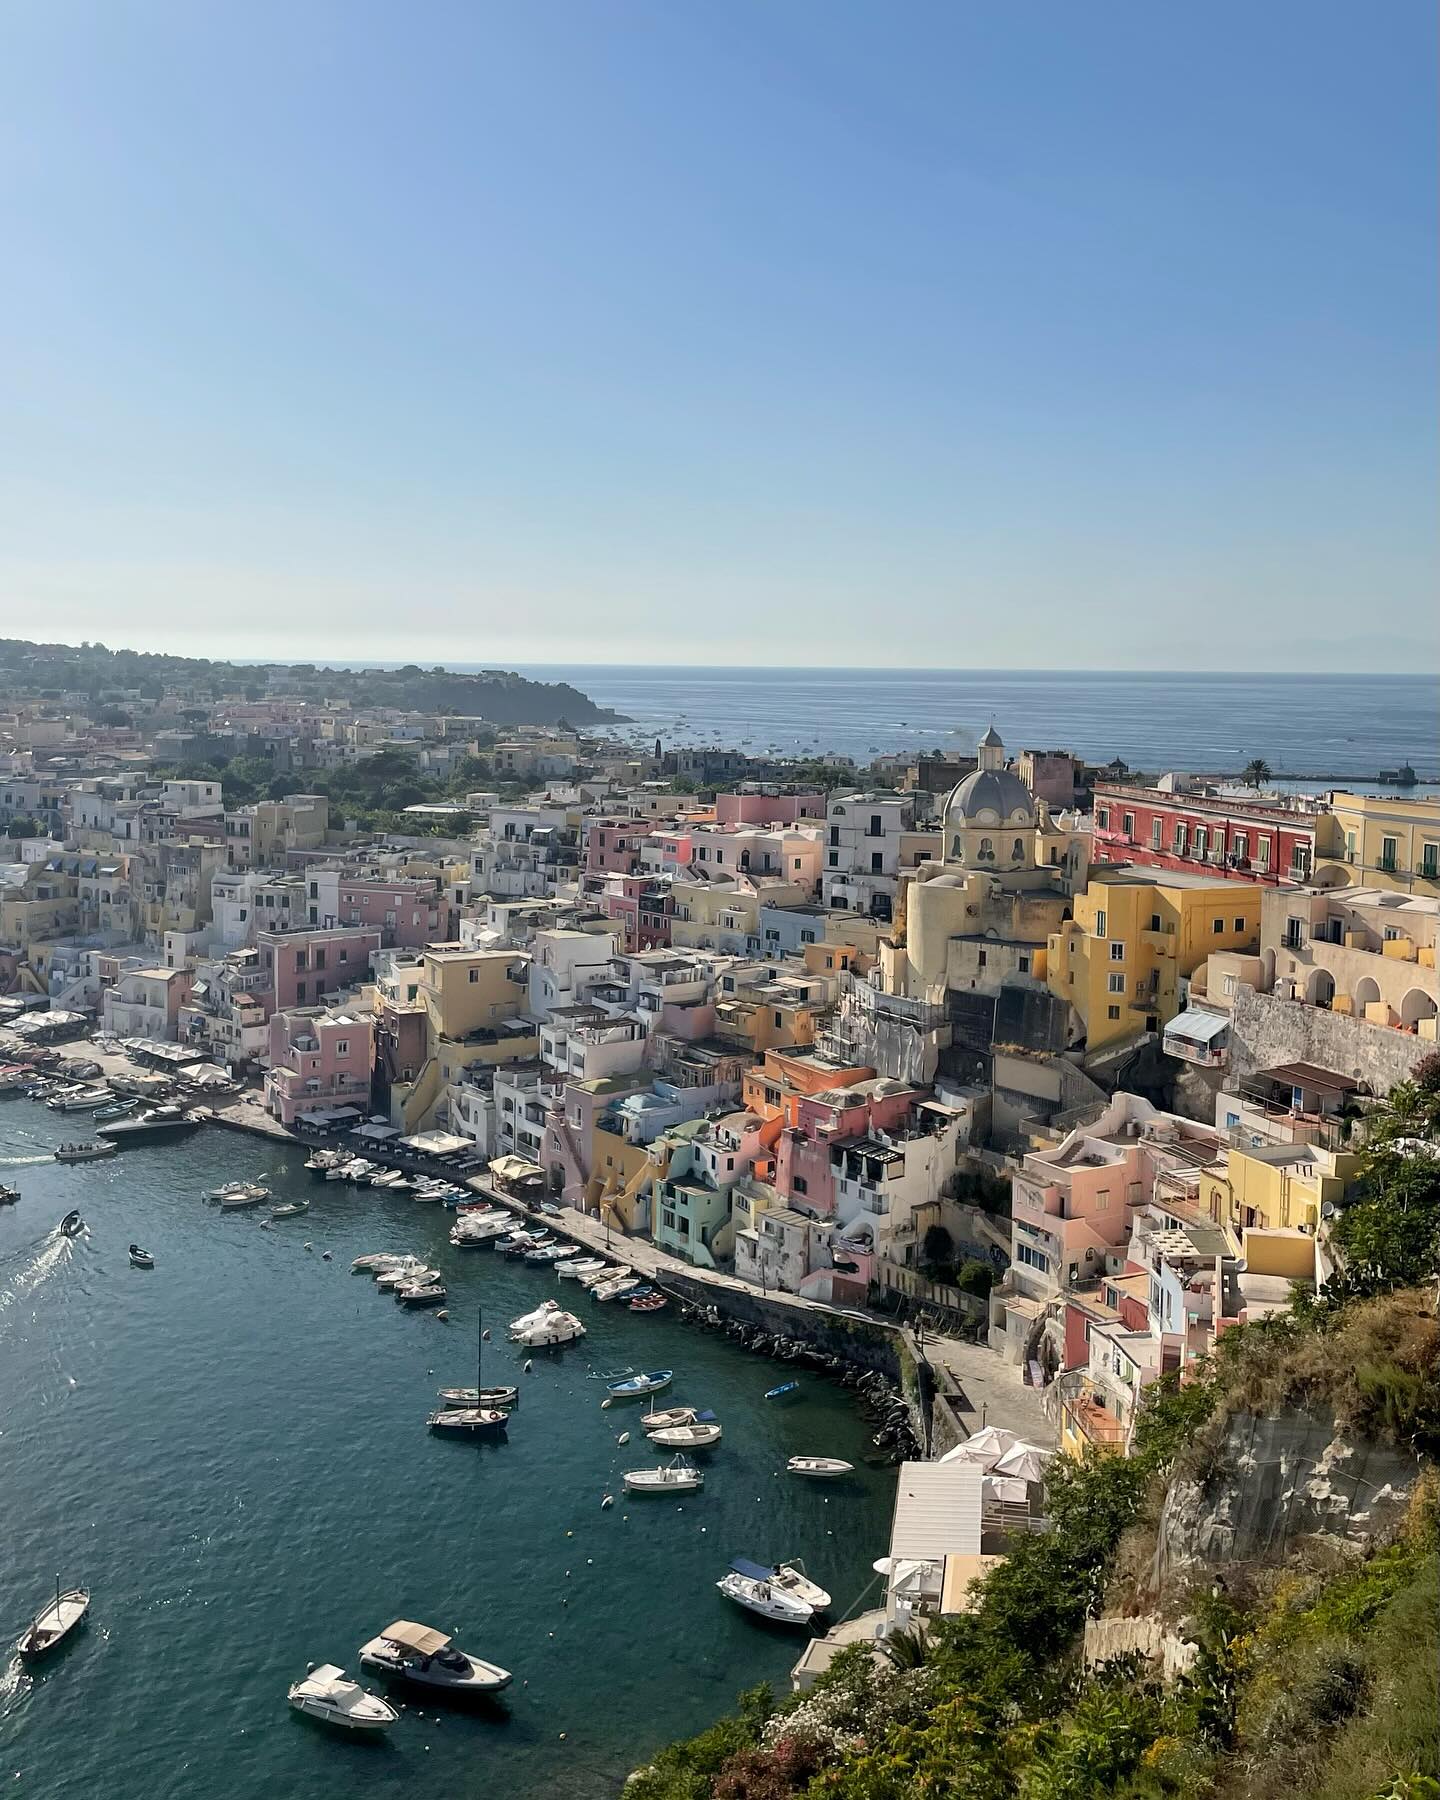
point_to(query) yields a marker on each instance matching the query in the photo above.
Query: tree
(975, 1277)
(1257, 772)
(937, 1248)
(23, 828)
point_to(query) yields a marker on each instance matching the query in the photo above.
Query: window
(779, 1021)
(1112, 1012)
(1389, 854)
(987, 849)
(877, 827)
(834, 859)
(1240, 925)
(342, 1047)
(1202, 840)
(314, 890)
(799, 1185)
(834, 834)
(807, 937)
(1103, 817)
(1294, 933)
(299, 990)
(797, 861)
(1128, 821)
(1262, 853)
(1117, 951)
(1017, 851)
(877, 862)
(1218, 927)
(1100, 923)
(1024, 965)
(1300, 859)
(982, 958)
(1181, 839)
(1033, 1259)
(1227, 986)
(1240, 847)
(1117, 984)
(319, 959)
(1157, 833)
(1102, 1200)
(474, 977)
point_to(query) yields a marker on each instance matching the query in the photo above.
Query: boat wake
(55, 1251)
(23, 1162)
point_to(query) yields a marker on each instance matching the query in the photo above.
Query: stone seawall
(862, 1343)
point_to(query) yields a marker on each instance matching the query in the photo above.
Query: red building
(1242, 838)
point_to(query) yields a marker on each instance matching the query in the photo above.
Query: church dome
(990, 797)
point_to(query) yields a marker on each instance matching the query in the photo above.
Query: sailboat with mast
(479, 1421)
(54, 1622)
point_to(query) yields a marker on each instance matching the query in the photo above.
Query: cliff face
(1272, 1481)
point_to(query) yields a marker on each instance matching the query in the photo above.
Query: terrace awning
(1310, 1075)
(1198, 1027)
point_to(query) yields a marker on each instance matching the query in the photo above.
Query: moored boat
(652, 1302)
(673, 1416)
(401, 1270)
(687, 1437)
(8, 1195)
(290, 1210)
(469, 1421)
(376, 1263)
(819, 1468)
(765, 1598)
(326, 1695)
(555, 1329)
(54, 1622)
(155, 1122)
(787, 1390)
(118, 1109)
(141, 1259)
(577, 1271)
(675, 1477)
(635, 1385)
(502, 1397)
(790, 1577)
(421, 1292)
(423, 1657)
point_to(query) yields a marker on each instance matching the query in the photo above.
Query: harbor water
(230, 1451)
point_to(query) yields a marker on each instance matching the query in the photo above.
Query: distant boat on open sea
(1323, 727)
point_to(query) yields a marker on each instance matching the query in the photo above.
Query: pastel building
(301, 967)
(1233, 836)
(320, 1063)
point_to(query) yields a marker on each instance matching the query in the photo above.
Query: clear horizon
(657, 332)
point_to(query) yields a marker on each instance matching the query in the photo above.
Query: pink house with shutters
(802, 1153)
(300, 967)
(319, 1063)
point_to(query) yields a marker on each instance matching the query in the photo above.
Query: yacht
(557, 1328)
(526, 1320)
(819, 1468)
(423, 1657)
(155, 1122)
(326, 1695)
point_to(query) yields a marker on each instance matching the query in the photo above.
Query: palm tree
(909, 1648)
(1257, 772)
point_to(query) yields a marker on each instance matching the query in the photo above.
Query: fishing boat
(292, 1209)
(635, 1385)
(504, 1397)
(577, 1271)
(72, 1224)
(376, 1263)
(79, 1153)
(555, 1329)
(675, 1477)
(141, 1259)
(469, 1421)
(8, 1195)
(615, 1289)
(651, 1302)
(762, 1596)
(421, 1293)
(423, 1657)
(787, 1390)
(320, 1162)
(790, 1577)
(54, 1622)
(819, 1468)
(686, 1437)
(78, 1099)
(673, 1416)
(326, 1695)
(244, 1194)
(119, 1109)
(359, 1171)
(476, 1237)
(526, 1320)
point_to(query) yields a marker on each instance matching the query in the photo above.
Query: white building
(863, 851)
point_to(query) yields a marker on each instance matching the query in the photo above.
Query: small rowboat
(765, 1598)
(786, 1391)
(487, 1396)
(292, 1209)
(141, 1259)
(646, 1302)
(686, 1437)
(470, 1421)
(635, 1385)
(673, 1416)
(54, 1622)
(678, 1477)
(819, 1468)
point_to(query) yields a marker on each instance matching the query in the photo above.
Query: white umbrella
(985, 1448)
(1026, 1461)
(1005, 1488)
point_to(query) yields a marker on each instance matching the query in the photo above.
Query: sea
(1314, 731)
(230, 1451)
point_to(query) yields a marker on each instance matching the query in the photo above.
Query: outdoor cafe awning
(516, 1168)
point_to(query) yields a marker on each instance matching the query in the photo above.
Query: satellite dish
(1327, 1209)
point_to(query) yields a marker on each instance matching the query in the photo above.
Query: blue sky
(1021, 334)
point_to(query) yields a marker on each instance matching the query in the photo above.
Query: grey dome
(992, 739)
(994, 791)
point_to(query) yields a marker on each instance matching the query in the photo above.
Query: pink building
(319, 1063)
(788, 853)
(612, 845)
(301, 967)
(768, 809)
(643, 906)
(803, 1165)
(407, 910)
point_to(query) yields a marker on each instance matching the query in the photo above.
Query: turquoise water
(230, 1451)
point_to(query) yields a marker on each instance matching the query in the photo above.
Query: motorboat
(673, 1416)
(118, 1109)
(577, 1271)
(8, 1195)
(376, 1263)
(292, 1209)
(675, 1477)
(72, 1224)
(503, 1397)
(686, 1437)
(787, 1390)
(790, 1577)
(635, 1385)
(336, 1170)
(79, 1153)
(141, 1259)
(421, 1292)
(326, 1695)
(320, 1162)
(521, 1244)
(78, 1099)
(819, 1468)
(359, 1171)
(646, 1302)
(526, 1320)
(765, 1598)
(426, 1658)
(241, 1195)
(386, 1178)
(154, 1122)
(469, 1421)
(54, 1622)
(615, 1287)
(556, 1329)
(547, 1253)
(401, 1270)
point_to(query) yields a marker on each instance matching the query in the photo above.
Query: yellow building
(1119, 961)
(1276, 1187)
(473, 1005)
(1381, 840)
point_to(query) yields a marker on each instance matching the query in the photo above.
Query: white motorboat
(615, 1287)
(556, 1328)
(686, 1437)
(326, 1695)
(423, 1657)
(405, 1268)
(54, 1622)
(292, 1209)
(547, 1253)
(819, 1468)
(766, 1599)
(359, 1171)
(676, 1477)
(376, 1263)
(421, 1292)
(336, 1171)
(93, 1152)
(789, 1577)
(577, 1271)
(79, 1099)
(541, 1312)
(249, 1194)
(386, 1178)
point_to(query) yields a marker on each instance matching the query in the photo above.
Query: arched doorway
(1367, 992)
(1416, 1005)
(1320, 989)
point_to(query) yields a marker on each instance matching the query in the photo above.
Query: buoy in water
(604, 1406)
(527, 1365)
(444, 1313)
(309, 1246)
(624, 1438)
(485, 1336)
(605, 1500)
